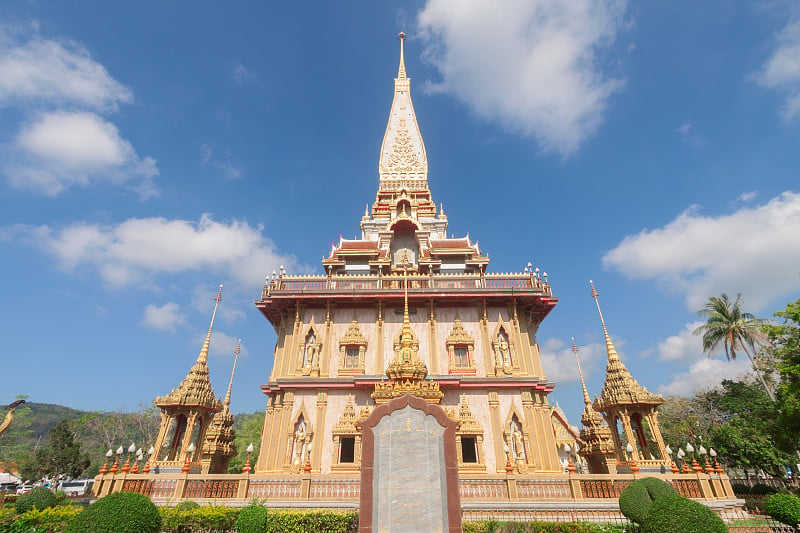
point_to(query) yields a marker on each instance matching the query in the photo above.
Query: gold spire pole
(612, 352)
(202, 358)
(401, 71)
(586, 398)
(236, 352)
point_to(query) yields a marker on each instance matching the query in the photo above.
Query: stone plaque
(409, 479)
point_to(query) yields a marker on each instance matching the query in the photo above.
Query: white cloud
(705, 373)
(223, 345)
(44, 70)
(167, 317)
(139, 248)
(59, 150)
(224, 165)
(240, 73)
(685, 346)
(558, 360)
(782, 70)
(534, 66)
(747, 196)
(755, 251)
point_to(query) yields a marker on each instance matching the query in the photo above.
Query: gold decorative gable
(403, 158)
(347, 429)
(460, 350)
(352, 339)
(467, 425)
(347, 424)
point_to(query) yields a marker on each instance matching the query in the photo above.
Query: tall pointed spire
(195, 389)
(619, 388)
(236, 353)
(612, 352)
(402, 151)
(202, 357)
(401, 70)
(586, 399)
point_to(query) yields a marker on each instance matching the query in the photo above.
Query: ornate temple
(405, 309)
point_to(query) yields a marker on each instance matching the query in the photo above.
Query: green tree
(62, 457)
(683, 418)
(746, 434)
(785, 348)
(248, 430)
(730, 330)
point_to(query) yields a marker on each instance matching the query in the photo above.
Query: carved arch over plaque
(311, 350)
(461, 350)
(503, 348)
(352, 351)
(469, 439)
(300, 436)
(518, 440)
(347, 440)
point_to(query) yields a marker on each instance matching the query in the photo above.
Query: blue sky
(151, 151)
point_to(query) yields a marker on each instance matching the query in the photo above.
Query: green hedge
(120, 512)
(637, 497)
(201, 518)
(252, 519)
(187, 505)
(672, 513)
(36, 498)
(543, 527)
(784, 508)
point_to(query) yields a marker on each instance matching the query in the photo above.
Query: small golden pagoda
(220, 446)
(186, 414)
(597, 445)
(631, 411)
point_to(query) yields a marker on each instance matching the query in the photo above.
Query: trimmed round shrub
(784, 508)
(672, 513)
(252, 519)
(637, 497)
(120, 512)
(187, 505)
(36, 498)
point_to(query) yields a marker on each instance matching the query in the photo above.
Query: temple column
(319, 431)
(290, 346)
(280, 432)
(488, 355)
(266, 433)
(497, 431)
(625, 419)
(433, 353)
(535, 459)
(325, 356)
(523, 351)
(379, 363)
(655, 432)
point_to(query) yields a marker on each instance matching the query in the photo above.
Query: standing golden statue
(9, 415)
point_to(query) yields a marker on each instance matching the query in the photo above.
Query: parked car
(24, 488)
(76, 487)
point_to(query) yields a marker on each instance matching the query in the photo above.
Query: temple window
(469, 450)
(460, 346)
(347, 450)
(352, 350)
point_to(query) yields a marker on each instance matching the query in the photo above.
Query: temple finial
(236, 353)
(202, 358)
(586, 398)
(612, 352)
(401, 71)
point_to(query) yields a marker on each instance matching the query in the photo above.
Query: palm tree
(730, 329)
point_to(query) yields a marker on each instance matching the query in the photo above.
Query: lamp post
(139, 457)
(632, 461)
(127, 466)
(672, 464)
(509, 468)
(246, 468)
(690, 450)
(104, 469)
(115, 466)
(717, 468)
(189, 453)
(705, 466)
(150, 453)
(307, 466)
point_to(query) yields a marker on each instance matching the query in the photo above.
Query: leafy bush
(200, 519)
(317, 521)
(8, 499)
(252, 519)
(119, 512)
(36, 498)
(637, 497)
(186, 505)
(740, 489)
(760, 489)
(7, 515)
(672, 513)
(542, 527)
(784, 508)
(52, 519)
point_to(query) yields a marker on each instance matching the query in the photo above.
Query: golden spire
(586, 398)
(402, 150)
(236, 353)
(612, 353)
(619, 387)
(401, 70)
(195, 389)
